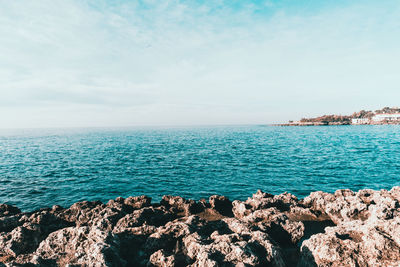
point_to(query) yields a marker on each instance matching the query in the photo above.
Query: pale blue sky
(125, 63)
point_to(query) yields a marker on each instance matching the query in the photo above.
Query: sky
(66, 63)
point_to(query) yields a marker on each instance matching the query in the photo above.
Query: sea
(43, 167)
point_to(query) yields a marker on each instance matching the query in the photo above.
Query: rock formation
(342, 229)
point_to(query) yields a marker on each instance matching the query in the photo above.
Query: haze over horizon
(126, 63)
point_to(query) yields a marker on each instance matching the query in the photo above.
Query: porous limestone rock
(83, 245)
(343, 228)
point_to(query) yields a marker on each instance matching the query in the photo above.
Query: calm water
(40, 168)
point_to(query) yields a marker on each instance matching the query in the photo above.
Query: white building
(386, 117)
(360, 121)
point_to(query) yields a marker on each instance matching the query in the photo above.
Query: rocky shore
(342, 229)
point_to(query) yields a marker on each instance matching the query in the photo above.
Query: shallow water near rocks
(40, 168)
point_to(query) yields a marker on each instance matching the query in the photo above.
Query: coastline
(383, 116)
(334, 124)
(344, 228)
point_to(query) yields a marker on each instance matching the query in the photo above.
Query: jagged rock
(85, 245)
(277, 224)
(57, 208)
(395, 193)
(284, 201)
(82, 213)
(355, 243)
(232, 242)
(221, 204)
(148, 216)
(21, 240)
(240, 209)
(129, 204)
(46, 220)
(138, 202)
(8, 210)
(299, 213)
(261, 200)
(107, 218)
(180, 204)
(161, 259)
(8, 223)
(143, 230)
(267, 213)
(345, 228)
(168, 237)
(26, 238)
(345, 205)
(87, 213)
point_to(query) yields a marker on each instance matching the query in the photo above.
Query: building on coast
(395, 117)
(360, 121)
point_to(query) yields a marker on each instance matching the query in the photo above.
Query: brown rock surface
(341, 229)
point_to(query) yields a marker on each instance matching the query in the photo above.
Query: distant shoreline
(338, 124)
(385, 116)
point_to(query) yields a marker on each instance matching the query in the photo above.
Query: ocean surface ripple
(40, 168)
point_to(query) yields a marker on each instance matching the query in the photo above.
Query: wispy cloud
(188, 62)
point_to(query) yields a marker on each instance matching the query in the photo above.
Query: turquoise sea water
(40, 168)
